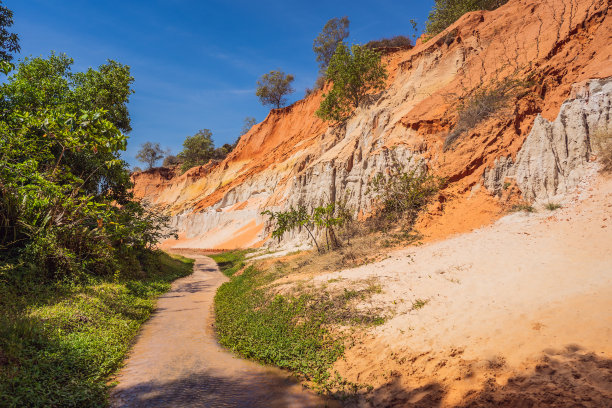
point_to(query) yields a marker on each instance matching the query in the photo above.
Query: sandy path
(176, 361)
(519, 312)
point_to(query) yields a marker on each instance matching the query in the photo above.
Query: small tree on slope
(273, 87)
(150, 153)
(354, 72)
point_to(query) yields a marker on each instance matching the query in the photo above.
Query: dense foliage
(324, 46)
(65, 205)
(446, 12)
(199, 149)
(273, 87)
(78, 273)
(354, 73)
(324, 219)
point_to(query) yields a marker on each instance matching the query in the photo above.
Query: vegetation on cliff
(354, 72)
(273, 87)
(446, 12)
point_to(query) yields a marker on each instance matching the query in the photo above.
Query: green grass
(291, 331)
(60, 343)
(553, 206)
(231, 262)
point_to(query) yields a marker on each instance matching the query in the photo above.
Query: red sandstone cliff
(292, 156)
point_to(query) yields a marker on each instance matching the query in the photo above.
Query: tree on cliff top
(354, 72)
(149, 154)
(446, 12)
(273, 87)
(334, 32)
(197, 149)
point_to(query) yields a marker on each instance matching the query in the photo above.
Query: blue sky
(196, 62)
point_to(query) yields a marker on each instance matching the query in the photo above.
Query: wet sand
(176, 361)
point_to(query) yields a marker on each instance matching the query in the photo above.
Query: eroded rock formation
(293, 157)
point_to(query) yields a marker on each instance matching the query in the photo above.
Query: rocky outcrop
(292, 157)
(554, 156)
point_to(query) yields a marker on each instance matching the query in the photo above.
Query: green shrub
(354, 73)
(327, 218)
(197, 149)
(65, 203)
(446, 12)
(553, 206)
(399, 195)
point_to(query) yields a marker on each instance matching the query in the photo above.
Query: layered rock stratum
(537, 148)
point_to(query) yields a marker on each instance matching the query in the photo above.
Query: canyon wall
(538, 142)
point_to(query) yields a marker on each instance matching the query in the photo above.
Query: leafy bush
(65, 201)
(9, 42)
(446, 12)
(273, 87)
(197, 149)
(399, 195)
(398, 41)
(354, 72)
(325, 218)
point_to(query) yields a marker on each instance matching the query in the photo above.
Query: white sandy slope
(507, 301)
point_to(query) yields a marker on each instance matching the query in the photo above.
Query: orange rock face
(292, 156)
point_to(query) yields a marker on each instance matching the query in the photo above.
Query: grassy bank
(59, 343)
(296, 330)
